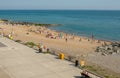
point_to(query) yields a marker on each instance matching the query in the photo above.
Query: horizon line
(68, 9)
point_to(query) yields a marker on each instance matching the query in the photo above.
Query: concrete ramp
(19, 61)
(2, 45)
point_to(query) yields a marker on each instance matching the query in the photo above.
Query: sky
(61, 4)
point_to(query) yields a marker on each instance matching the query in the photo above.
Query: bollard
(11, 37)
(40, 50)
(82, 63)
(61, 56)
(48, 50)
(76, 63)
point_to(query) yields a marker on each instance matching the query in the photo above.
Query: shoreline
(100, 39)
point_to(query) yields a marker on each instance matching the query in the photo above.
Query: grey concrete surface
(19, 61)
(2, 45)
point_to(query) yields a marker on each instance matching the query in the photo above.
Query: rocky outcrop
(27, 23)
(113, 48)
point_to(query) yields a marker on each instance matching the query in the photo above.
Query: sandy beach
(73, 45)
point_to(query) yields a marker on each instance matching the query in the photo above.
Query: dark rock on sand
(112, 48)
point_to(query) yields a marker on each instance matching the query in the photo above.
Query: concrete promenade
(19, 61)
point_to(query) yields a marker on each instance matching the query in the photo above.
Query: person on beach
(39, 47)
(66, 39)
(92, 36)
(60, 35)
(2, 34)
(80, 39)
(104, 43)
(73, 36)
(66, 35)
(88, 39)
(9, 35)
(98, 41)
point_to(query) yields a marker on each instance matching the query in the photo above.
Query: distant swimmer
(92, 36)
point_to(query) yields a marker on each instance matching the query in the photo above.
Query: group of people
(60, 35)
(42, 48)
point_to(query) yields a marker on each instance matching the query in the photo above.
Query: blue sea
(103, 24)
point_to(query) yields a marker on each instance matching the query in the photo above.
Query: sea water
(103, 24)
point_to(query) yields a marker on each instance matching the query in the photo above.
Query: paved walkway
(19, 61)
